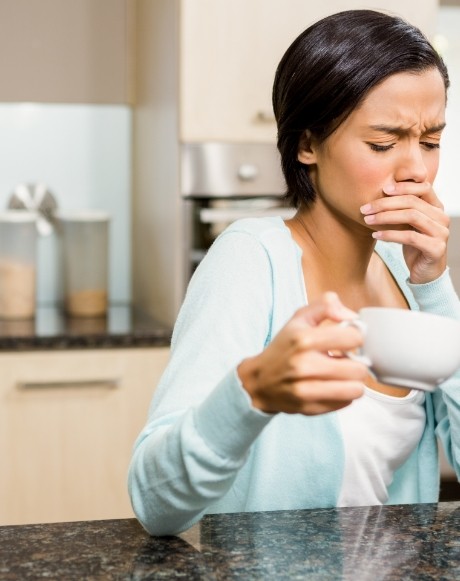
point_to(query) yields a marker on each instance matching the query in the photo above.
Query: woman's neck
(338, 255)
(339, 246)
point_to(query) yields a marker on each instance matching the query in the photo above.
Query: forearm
(439, 297)
(179, 470)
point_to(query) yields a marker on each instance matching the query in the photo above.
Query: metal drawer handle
(110, 383)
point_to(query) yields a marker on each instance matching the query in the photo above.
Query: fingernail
(389, 189)
(369, 219)
(376, 235)
(365, 209)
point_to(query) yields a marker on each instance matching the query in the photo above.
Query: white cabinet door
(229, 51)
(68, 422)
(59, 51)
(228, 56)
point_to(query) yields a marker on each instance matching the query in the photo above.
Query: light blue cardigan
(205, 449)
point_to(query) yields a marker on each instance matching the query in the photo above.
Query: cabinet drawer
(68, 421)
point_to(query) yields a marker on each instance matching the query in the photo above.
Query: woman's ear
(306, 153)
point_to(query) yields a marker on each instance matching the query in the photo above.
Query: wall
(72, 51)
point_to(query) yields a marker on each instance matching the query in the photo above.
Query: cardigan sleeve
(439, 297)
(201, 423)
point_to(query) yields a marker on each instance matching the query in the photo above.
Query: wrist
(427, 274)
(249, 373)
(426, 280)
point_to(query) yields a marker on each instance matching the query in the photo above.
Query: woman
(253, 411)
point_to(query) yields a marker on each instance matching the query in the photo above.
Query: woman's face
(393, 136)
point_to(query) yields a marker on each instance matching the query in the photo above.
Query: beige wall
(66, 51)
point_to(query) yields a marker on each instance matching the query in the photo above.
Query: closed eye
(378, 147)
(430, 145)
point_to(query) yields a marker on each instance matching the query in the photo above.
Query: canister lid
(19, 216)
(83, 216)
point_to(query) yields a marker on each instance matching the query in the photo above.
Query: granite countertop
(124, 326)
(420, 542)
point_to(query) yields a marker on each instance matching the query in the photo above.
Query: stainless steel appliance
(222, 182)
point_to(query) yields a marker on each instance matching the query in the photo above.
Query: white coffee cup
(405, 348)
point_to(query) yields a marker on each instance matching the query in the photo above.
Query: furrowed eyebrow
(398, 131)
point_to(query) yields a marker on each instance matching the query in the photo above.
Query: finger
(430, 247)
(324, 338)
(422, 190)
(318, 408)
(378, 207)
(326, 396)
(414, 218)
(329, 306)
(313, 397)
(313, 365)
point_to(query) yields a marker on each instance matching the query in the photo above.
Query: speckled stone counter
(420, 542)
(124, 326)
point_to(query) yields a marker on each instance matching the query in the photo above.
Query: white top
(379, 432)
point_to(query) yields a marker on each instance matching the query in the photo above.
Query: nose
(411, 165)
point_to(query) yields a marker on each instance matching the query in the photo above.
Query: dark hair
(327, 72)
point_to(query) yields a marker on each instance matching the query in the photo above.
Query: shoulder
(241, 255)
(233, 284)
(246, 258)
(258, 228)
(268, 234)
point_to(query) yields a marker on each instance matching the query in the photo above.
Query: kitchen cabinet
(228, 53)
(78, 51)
(227, 58)
(68, 421)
